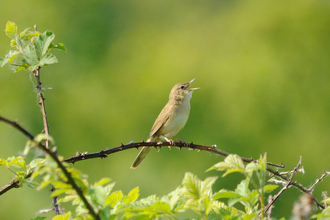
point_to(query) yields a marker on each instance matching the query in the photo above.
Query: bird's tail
(142, 154)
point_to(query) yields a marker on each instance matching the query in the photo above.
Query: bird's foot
(186, 144)
(171, 142)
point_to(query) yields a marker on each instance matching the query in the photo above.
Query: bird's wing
(160, 121)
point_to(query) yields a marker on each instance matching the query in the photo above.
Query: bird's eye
(181, 87)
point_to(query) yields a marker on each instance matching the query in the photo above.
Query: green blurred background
(263, 67)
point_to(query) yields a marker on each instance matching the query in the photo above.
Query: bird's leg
(170, 141)
(186, 144)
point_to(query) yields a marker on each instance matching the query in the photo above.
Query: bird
(170, 120)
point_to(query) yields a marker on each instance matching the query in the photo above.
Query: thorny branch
(59, 164)
(211, 149)
(286, 186)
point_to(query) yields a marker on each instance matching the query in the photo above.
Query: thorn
(121, 144)
(137, 147)
(191, 143)
(198, 150)
(142, 140)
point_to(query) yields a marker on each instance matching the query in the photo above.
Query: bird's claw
(171, 142)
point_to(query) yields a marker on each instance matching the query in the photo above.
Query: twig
(269, 213)
(326, 173)
(286, 186)
(36, 74)
(11, 185)
(61, 166)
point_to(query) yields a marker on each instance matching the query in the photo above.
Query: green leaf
(251, 167)
(58, 46)
(19, 68)
(48, 59)
(192, 186)
(250, 216)
(160, 207)
(226, 194)
(235, 161)
(132, 195)
(233, 171)
(30, 55)
(22, 34)
(103, 181)
(36, 162)
(62, 217)
(43, 184)
(113, 199)
(3, 162)
(231, 162)
(43, 42)
(3, 61)
(11, 55)
(98, 195)
(59, 192)
(39, 218)
(263, 163)
(42, 136)
(11, 29)
(19, 161)
(206, 186)
(269, 188)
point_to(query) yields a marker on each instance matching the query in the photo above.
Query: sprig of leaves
(32, 49)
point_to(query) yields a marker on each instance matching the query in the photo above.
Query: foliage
(32, 51)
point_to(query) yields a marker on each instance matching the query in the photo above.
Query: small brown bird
(171, 119)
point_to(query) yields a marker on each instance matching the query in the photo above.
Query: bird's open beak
(192, 89)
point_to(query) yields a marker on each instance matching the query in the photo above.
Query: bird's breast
(176, 121)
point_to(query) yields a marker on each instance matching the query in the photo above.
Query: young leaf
(19, 161)
(3, 162)
(48, 59)
(98, 195)
(22, 34)
(36, 162)
(206, 186)
(42, 136)
(132, 195)
(11, 29)
(226, 194)
(30, 55)
(113, 199)
(58, 46)
(262, 163)
(62, 217)
(191, 185)
(102, 182)
(3, 61)
(269, 188)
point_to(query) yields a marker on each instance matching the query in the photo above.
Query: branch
(180, 145)
(59, 164)
(286, 186)
(11, 185)
(325, 174)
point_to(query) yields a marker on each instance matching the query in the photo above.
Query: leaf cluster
(31, 50)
